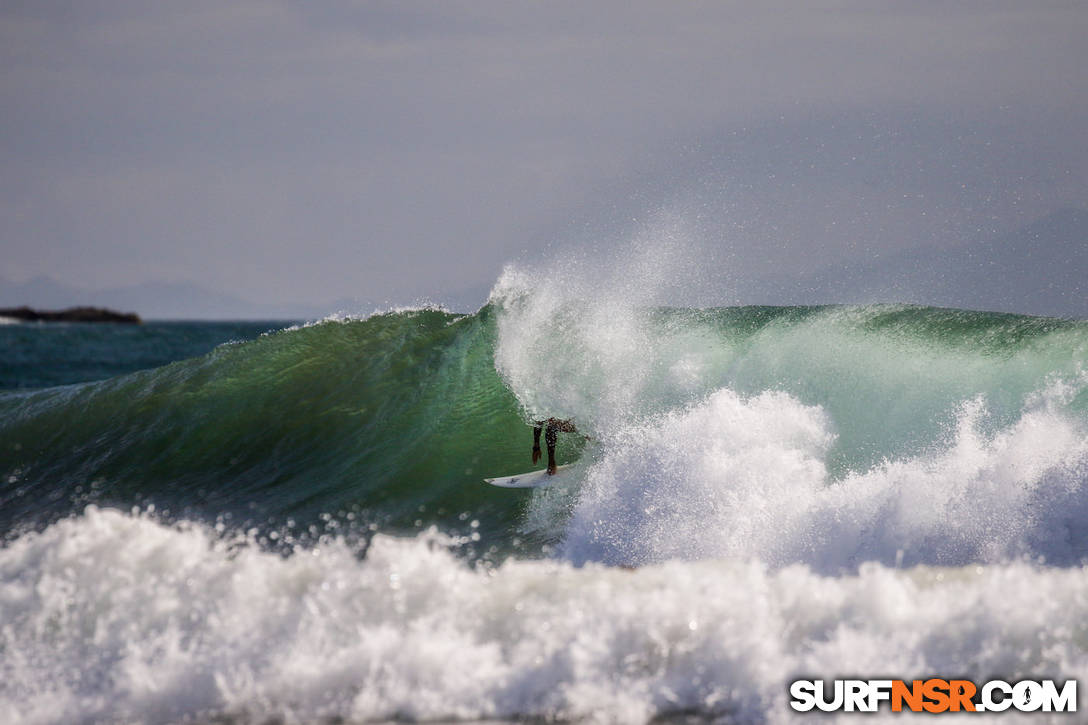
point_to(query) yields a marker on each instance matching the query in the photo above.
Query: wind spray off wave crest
(826, 436)
(578, 340)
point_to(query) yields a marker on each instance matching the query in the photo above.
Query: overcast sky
(300, 152)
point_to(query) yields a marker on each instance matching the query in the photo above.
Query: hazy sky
(300, 152)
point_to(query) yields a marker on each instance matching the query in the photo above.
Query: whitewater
(295, 529)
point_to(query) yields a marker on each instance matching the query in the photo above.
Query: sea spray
(828, 436)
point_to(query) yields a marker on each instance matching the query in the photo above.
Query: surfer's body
(552, 427)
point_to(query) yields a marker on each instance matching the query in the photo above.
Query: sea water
(294, 527)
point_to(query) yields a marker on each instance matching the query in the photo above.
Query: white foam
(110, 617)
(344, 317)
(746, 478)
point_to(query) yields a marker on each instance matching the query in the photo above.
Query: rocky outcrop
(72, 314)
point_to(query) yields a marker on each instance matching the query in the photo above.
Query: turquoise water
(46, 355)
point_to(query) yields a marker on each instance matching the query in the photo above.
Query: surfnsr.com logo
(934, 695)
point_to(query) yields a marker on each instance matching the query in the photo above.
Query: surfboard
(533, 479)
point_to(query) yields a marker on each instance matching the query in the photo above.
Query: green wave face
(382, 415)
(395, 419)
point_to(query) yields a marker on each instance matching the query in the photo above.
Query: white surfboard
(533, 479)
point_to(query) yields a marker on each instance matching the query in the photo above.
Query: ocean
(261, 522)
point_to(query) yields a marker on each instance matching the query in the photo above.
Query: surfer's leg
(550, 437)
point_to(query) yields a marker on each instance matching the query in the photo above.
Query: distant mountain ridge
(1039, 269)
(71, 314)
(164, 300)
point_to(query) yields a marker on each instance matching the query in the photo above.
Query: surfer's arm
(536, 441)
(563, 426)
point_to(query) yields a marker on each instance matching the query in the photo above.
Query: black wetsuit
(551, 426)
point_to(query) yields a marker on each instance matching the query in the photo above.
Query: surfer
(552, 427)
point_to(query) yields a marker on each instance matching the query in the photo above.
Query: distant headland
(72, 314)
